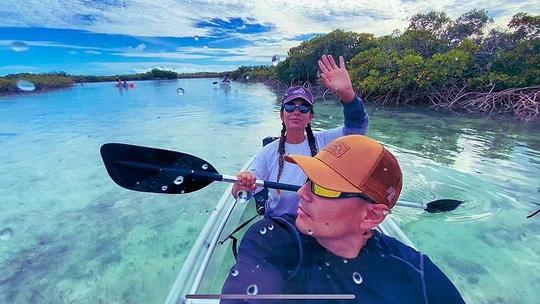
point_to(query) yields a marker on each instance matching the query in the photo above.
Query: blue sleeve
(264, 261)
(438, 288)
(356, 117)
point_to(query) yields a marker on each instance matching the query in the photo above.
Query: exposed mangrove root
(523, 103)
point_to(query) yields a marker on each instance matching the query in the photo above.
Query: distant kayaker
(297, 137)
(331, 247)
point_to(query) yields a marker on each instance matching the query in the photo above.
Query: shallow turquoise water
(79, 238)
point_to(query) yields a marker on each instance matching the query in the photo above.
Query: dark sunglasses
(327, 193)
(303, 108)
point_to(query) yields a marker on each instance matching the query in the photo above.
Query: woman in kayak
(297, 137)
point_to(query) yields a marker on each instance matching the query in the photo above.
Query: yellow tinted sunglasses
(327, 193)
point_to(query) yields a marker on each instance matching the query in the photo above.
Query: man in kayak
(297, 137)
(331, 247)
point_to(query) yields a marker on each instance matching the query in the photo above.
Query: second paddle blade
(443, 205)
(156, 170)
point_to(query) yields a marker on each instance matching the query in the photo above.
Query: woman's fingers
(332, 62)
(325, 60)
(247, 179)
(341, 62)
(323, 67)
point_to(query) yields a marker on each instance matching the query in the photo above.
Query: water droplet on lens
(19, 46)
(180, 91)
(164, 188)
(25, 85)
(262, 230)
(271, 227)
(179, 180)
(357, 278)
(6, 233)
(275, 60)
(310, 232)
(204, 166)
(252, 289)
(235, 272)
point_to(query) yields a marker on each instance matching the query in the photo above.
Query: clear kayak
(208, 264)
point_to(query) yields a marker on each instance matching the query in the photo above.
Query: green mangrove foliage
(436, 60)
(8, 84)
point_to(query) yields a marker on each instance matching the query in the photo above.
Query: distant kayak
(125, 85)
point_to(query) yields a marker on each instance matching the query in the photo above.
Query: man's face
(328, 218)
(296, 120)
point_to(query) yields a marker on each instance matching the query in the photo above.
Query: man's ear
(375, 214)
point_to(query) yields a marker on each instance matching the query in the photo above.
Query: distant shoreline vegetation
(57, 80)
(452, 64)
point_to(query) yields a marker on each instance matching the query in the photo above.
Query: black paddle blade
(442, 205)
(155, 170)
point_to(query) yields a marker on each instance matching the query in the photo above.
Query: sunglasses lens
(289, 107)
(320, 191)
(303, 108)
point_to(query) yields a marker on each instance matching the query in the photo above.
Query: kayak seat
(262, 196)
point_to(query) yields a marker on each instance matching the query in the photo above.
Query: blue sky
(119, 36)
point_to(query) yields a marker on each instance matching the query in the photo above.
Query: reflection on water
(76, 237)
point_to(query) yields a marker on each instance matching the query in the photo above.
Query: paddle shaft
(294, 188)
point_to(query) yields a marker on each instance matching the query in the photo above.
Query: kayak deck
(207, 266)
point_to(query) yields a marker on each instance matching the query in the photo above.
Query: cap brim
(321, 174)
(298, 96)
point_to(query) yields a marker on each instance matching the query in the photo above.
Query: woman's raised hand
(336, 78)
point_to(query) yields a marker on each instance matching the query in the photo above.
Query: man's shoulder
(394, 248)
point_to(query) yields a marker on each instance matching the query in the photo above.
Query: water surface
(68, 234)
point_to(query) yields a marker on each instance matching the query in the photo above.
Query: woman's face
(296, 120)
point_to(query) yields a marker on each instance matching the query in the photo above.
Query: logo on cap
(336, 148)
(299, 91)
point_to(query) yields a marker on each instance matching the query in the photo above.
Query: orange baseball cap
(355, 164)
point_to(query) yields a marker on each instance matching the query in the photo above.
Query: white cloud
(138, 49)
(111, 68)
(151, 19)
(173, 18)
(164, 55)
